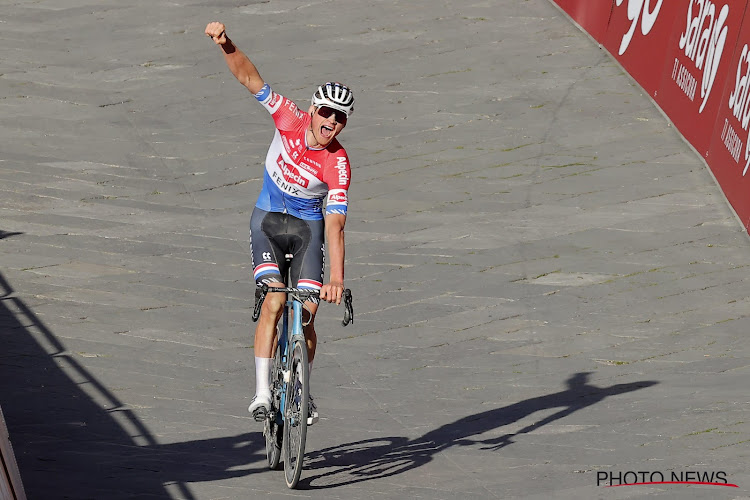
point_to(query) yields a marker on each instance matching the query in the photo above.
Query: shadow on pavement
(7, 234)
(74, 439)
(380, 458)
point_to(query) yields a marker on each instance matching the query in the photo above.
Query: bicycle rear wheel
(273, 425)
(295, 418)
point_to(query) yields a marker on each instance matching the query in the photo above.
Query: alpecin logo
(341, 167)
(291, 174)
(337, 196)
(609, 479)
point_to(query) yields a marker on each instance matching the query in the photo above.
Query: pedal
(260, 414)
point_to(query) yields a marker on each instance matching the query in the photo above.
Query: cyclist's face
(326, 124)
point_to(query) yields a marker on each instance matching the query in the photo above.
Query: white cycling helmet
(336, 96)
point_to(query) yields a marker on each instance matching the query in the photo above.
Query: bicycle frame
(292, 371)
(285, 340)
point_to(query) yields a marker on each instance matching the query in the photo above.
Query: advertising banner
(697, 67)
(693, 59)
(638, 36)
(591, 15)
(729, 152)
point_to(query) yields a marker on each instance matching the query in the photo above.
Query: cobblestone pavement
(548, 282)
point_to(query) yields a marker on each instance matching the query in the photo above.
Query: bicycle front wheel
(273, 424)
(295, 414)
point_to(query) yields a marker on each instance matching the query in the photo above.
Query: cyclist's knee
(273, 303)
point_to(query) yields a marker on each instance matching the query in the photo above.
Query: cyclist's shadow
(379, 458)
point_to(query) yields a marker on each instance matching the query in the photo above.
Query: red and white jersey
(298, 179)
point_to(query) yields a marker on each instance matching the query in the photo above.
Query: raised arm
(239, 64)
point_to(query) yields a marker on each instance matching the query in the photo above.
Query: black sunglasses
(325, 112)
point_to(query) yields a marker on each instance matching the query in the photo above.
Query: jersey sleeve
(337, 178)
(286, 115)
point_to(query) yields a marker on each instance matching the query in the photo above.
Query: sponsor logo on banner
(702, 41)
(639, 10)
(739, 105)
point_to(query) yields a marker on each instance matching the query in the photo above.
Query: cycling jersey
(298, 179)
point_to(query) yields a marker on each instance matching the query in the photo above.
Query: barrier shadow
(385, 457)
(7, 234)
(70, 444)
(74, 439)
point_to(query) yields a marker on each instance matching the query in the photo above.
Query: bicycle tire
(273, 425)
(295, 421)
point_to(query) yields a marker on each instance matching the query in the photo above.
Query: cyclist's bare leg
(265, 331)
(308, 319)
(265, 340)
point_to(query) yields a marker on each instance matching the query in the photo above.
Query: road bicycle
(285, 427)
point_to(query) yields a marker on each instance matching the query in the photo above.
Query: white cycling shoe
(260, 407)
(312, 411)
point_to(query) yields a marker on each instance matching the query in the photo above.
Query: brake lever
(260, 296)
(348, 309)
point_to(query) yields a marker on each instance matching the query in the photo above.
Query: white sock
(262, 376)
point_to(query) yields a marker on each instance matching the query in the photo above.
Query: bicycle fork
(296, 308)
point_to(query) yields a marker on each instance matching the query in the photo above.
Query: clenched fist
(217, 31)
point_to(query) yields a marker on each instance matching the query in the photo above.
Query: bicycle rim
(295, 421)
(272, 427)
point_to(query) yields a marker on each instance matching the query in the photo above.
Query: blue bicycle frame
(284, 341)
(291, 416)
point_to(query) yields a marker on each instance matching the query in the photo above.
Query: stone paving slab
(549, 284)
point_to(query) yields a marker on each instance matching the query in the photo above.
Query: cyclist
(305, 166)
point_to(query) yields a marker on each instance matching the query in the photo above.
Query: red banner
(697, 66)
(591, 15)
(693, 59)
(638, 37)
(729, 153)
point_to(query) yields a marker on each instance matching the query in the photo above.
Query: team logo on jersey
(307, 167)
(343, 169)
(292, 107)
(291, 174)
(337, 197)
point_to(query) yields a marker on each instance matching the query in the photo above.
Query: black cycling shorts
(273, 235)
